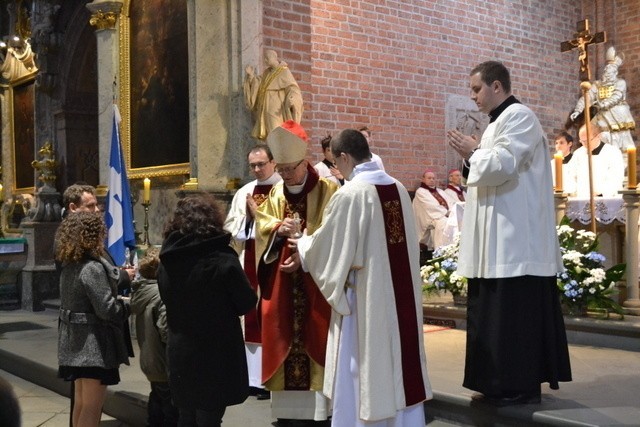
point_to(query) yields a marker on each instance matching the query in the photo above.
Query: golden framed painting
(154, 87)
(22, 101)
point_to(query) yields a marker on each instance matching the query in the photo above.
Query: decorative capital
(103, 21)
(104, 14)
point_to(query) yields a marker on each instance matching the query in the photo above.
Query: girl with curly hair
(91, 344)
(205, 290)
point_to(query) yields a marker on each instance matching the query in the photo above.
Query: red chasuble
(252, 332)
(400, 265)
(295, 315)
(458, 192)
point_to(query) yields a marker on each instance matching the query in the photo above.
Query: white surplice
(608, 172)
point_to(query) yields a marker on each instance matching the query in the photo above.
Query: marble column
(224, 37)
(631, 198)
(104, 16)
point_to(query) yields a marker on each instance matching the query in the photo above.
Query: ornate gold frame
(125, 106)
(18, 71)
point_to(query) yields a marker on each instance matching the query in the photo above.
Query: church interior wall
(392, 65)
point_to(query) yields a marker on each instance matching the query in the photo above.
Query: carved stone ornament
(19, 63)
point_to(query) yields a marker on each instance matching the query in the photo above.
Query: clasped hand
(463, 144)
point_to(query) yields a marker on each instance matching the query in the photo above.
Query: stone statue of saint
(272, 98)
(608, 96)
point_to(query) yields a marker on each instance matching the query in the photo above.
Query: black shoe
(263, 394)
(508, 400)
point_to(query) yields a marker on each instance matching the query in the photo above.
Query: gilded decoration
(605, 92)
(18, 73)
(47, 165)
(297, 367)
(394, 221)
(260, 198)
(103, 20)
(154, 89)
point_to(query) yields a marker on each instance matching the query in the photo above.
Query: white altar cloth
(607, 210)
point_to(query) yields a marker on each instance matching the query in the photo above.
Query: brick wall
(392, 64)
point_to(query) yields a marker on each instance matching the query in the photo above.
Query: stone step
(593, 330)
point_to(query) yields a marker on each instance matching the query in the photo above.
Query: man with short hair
(509, 250)
(295, 316)
(454, 189)
(327, 168)
(607, 166)
(79, 198)
(364, 260)
(564, 145)
(364, 130)
(240, 223)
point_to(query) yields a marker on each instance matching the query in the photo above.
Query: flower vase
(576, 310)
(460, 300)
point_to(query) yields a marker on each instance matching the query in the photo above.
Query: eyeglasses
(289, 170)
(258, 165)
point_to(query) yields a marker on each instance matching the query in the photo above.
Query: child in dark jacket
(151, 330)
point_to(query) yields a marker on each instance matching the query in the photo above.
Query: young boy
(151, 330)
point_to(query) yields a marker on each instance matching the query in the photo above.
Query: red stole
(459, 192)
(403, 290)
(434, 192)
(251, 319)
(295, 314)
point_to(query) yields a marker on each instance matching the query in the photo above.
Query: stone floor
(604, 391)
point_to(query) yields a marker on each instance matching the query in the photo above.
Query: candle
(632, 181)
(146, 195)
(558, 157)
(1, 193)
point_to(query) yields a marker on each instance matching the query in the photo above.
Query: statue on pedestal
(608, 96)
(272, 98)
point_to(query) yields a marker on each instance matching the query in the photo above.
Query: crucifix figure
(582, 39)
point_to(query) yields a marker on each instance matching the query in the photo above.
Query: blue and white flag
(119, 215)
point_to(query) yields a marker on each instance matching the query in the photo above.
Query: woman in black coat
(205, 291)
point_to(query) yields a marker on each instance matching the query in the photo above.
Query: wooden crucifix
(582, 39)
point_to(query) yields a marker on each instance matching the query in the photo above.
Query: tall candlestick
(632, 181)
(558, 163)
(146, 194)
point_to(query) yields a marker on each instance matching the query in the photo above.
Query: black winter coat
(205, 291)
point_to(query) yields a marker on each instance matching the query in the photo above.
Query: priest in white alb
(364, 259)
(607, 166)
(240, 223)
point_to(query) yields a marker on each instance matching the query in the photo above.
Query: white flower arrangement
(585, 283)
(439, 274)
